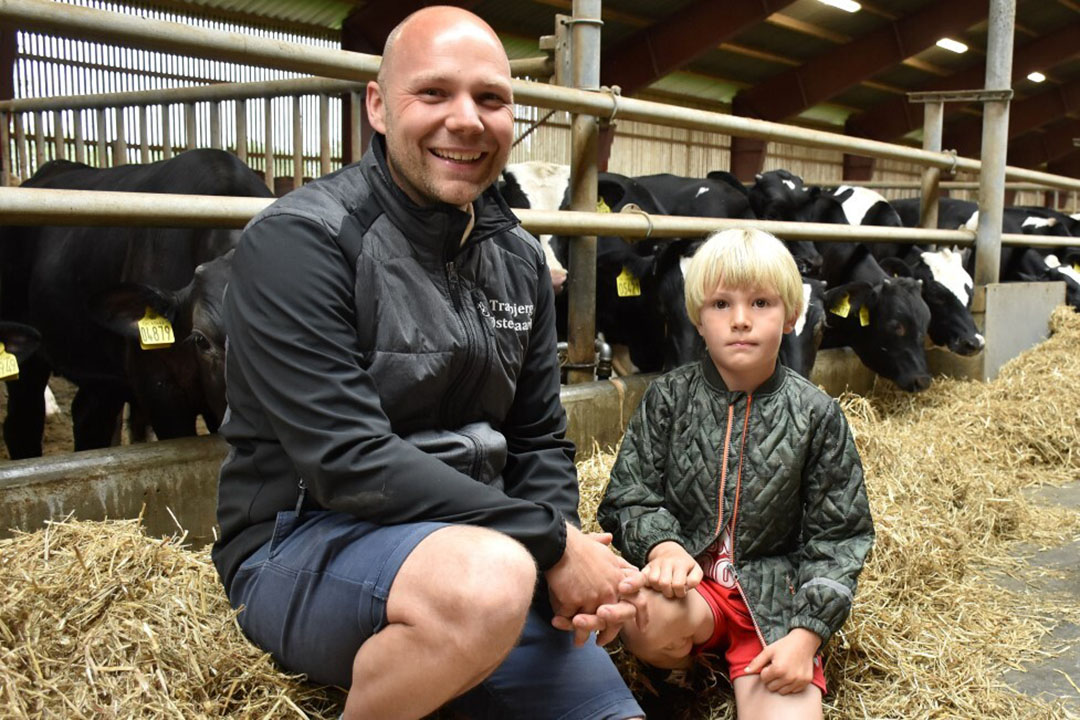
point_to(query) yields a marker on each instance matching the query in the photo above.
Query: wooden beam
(892, 118)
(1034, 149)
(825, 76)
(659, 49)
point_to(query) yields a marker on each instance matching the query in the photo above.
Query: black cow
(61, 280)
(782, 195)
(798, 349)
(881, 317)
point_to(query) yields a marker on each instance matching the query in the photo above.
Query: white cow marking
(860, 202)
(51, 406)
(684, 262)
(972, 223)
(544, 184)
(1052, 263)
(1038, 222)
(947, 267)
(701, 191)
(801, 322)
(789, 183)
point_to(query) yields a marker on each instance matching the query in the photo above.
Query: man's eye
(431, 92)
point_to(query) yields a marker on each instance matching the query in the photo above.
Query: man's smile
(457, 155)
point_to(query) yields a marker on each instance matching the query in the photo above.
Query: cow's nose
(921, 382)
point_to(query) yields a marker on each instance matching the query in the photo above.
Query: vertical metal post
(356, 101)
(7, 158)
(215, 124)
(80, 143)
(189, 126)
(166, 132)
(59, 148)
(22, 152)
(268, 143)
(241, 130)
(324, 134)
(584, 143)
(933, 120)
(120, 144)
(995, 137)
(39, 140)
(144, 135)
(297, 142)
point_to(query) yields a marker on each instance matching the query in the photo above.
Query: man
(399, 471)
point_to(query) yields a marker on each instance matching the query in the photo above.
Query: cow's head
(186, 379)
(778, 195)
(947, 289)
(798, 349)
(885, 324)
(20, 340)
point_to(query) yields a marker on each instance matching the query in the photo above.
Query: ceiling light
(845, 5)
(1036, 77)
(954, 45)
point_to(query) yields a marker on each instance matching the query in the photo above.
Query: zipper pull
(303, 493)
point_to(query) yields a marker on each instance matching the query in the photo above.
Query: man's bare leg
(455, 610)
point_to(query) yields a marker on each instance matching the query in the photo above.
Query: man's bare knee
(464, 576)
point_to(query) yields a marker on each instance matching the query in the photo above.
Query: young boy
(739, 492)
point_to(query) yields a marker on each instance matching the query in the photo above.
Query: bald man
(398, 509)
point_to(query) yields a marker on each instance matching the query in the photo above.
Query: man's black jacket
(396, 374)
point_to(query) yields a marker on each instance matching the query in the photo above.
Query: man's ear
(376, 106)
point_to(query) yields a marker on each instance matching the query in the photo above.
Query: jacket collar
(716, 381)
(435, 229)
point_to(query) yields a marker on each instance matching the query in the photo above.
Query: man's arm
(290, 319)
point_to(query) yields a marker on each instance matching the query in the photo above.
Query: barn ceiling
(798, 61)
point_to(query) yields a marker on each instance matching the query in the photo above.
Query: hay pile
(99, 621)
(931, 633)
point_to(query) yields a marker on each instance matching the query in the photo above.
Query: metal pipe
(584, 144)
(358, 67)
(40, 206)
(933, 120)
(6, 160)
(995, 139)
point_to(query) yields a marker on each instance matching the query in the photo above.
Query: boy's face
(742, 329)
(668, 638)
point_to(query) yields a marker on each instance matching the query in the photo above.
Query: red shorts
(734, 635)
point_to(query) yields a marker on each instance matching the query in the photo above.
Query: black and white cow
(538, 185)
(863, 206)
(782, 195)
(883, 318)
(63, 280)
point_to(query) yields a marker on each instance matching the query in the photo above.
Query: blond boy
(739, 492)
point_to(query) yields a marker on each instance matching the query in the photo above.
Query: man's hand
(592, 589)
(671, 570)
(787, 666)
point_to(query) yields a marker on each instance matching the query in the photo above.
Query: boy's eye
(761, 303)
(720, 304)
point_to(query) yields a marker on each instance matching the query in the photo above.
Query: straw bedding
(97, 620)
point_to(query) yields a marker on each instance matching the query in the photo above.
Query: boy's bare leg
(754, 701)
(455, 610)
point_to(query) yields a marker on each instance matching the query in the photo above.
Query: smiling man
(398, 509)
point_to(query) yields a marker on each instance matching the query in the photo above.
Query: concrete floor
(1050, 678)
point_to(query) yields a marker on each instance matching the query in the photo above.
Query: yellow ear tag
(842, 306)
(155, 332)
(864, 316)
(602, 206)
(1076, 267)
(627, 284)
(9, 366)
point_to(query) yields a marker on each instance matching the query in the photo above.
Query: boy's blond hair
(743, 258)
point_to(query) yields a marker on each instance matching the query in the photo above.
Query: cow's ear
(121, 308)
(896, 267)
(611, 189)
(19, 340)
(1072, 259)
(848, 304)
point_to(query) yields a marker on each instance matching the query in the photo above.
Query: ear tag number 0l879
(155, 331)
(9, 366)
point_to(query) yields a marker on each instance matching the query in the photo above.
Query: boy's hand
(787, 666)
(671, 570)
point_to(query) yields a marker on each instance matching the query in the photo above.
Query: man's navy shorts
(319, 588)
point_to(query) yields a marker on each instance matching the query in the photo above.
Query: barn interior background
(807, 63)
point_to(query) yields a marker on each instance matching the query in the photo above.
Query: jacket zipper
(475, 367)
(735, 517)
(459, 382)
